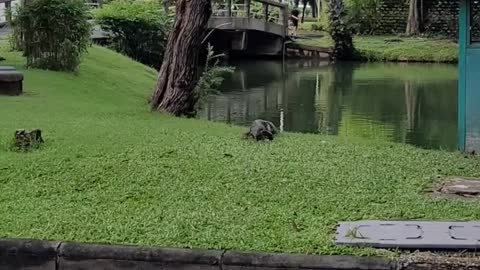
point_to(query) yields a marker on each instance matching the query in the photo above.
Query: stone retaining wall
(440, 17)
(394, 16)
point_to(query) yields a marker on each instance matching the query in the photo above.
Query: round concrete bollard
(11, 81)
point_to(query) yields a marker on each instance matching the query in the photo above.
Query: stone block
(74, 256)
(255, 261)
(27, 254)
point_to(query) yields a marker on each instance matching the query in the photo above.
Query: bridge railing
(266, 10)
(94, 3)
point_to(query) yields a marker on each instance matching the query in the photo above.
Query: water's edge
(397, 102)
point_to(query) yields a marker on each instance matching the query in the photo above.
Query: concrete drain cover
(410, 234)
(465, 187)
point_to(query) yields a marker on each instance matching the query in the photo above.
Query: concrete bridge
(256, 27)
(272, 18)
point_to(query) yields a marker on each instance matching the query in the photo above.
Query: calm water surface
(409, 103)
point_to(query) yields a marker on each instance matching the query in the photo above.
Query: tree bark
(413, 25)
(174, 91)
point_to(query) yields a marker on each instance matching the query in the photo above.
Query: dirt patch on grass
(458, 188)
(439, 261)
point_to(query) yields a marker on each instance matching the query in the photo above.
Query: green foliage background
(53, 34)
(139, 29)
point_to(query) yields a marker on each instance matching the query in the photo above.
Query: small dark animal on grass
(261, 130)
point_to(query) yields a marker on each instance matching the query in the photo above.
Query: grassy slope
(391, 48)
(112, 172)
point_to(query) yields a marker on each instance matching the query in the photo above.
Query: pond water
(408, 103)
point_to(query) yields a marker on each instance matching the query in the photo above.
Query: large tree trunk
(413, 25)
(174, 92)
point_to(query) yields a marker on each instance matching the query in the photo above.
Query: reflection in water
(412, 103)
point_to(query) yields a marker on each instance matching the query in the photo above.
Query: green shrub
(341, 31)
(257, 12)
(323, 20)
(212, 76)
(139, 29)
(365, 15)
(53, 34)
(316, 27)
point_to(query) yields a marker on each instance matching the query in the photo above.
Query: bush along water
(341, 31)
(139, 29)
(53, 34)
(212, 77)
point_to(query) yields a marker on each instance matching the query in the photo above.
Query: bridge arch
(239, 28)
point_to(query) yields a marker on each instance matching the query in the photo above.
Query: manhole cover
(461, 186)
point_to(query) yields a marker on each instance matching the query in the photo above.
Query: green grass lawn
(112, 172)
(398, 49)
